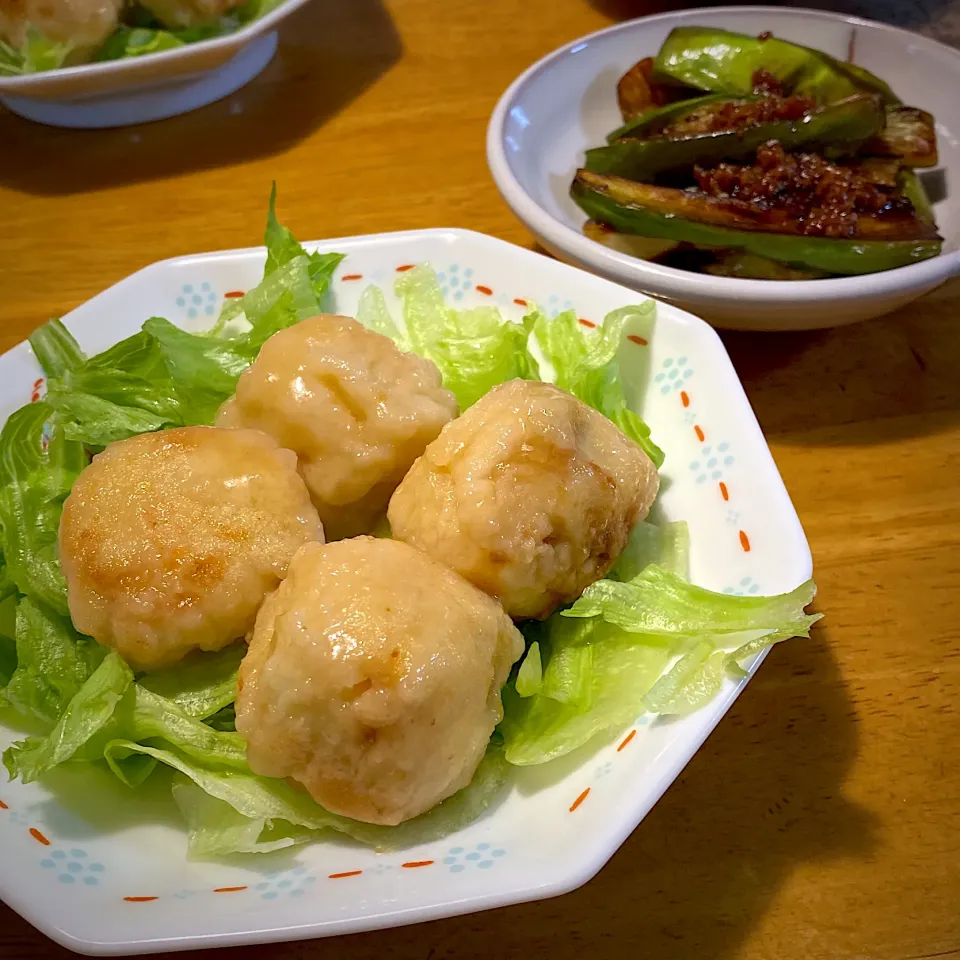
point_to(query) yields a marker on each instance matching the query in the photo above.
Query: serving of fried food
(346, 573)
(753, 157)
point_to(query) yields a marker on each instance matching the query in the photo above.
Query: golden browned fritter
(373, 678)
(170, 541)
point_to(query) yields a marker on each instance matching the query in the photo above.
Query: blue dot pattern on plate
(193, 299)
(483, 856)
(745, 588)
(603, 770)
(454, 281)
(289, 883)
(712, 463)
(73, 867)
(673, 375)
(555, 307)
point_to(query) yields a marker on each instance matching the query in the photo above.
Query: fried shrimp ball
(170, 541)
(178, 14)
(355, 410)
(373, 678)
(530, 495)
(82, 24)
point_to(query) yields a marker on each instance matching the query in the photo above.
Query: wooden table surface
(822, 818)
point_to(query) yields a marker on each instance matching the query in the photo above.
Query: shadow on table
(330, 52)
(896, 376)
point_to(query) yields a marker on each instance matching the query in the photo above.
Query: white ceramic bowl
(118, 93)
(104, 871)
(567, 103)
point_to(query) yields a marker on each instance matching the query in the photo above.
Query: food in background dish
(170, 541)
(754, 157)
(180, 14)
(39, 36)
(530, 495)
(373, 679)
(355, 409)
(78, 28)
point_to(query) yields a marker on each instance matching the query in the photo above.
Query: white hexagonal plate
(105, 873)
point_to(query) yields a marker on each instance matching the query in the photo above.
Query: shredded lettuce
(140, 33)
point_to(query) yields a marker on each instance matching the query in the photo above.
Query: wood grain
(822, 818)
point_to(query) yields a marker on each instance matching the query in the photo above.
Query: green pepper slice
(748, 266)
(911, 187)
(643, 248)
(722, 61)
(652, 211)
(656, 118)
(848, 122)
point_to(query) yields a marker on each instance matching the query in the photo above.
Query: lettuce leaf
(90, 709)
(282, 247)
(137, 40)
(373, 313)
(587, 364)
(202, 684)
(607, 657)
(594, 682)
(53, 662)
(667, 545)
(250, 814)
(164, 376)
(474, 349)
(657, 602)
(36, 54)
(133, 728)
(530, 674)
(38, 466)
(56, 350)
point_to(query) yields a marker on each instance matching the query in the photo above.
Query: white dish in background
(104, 876)
(566, 103)
(117, 93)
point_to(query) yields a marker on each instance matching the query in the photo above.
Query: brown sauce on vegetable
(764, 82)
(827, 199)
(737, 114)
